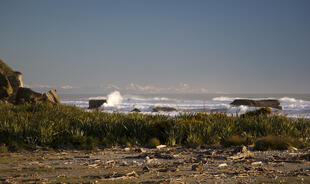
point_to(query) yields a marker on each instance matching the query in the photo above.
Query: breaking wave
(223, 98)
(125, 103)
(113, 99)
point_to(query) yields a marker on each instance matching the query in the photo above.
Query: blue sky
(196, 46)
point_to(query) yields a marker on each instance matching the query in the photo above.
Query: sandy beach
(166, 165)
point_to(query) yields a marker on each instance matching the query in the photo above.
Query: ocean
(294, 105)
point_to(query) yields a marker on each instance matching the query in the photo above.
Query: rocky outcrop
(16, 81)
(12, 89)
(6, 89)
(135, 110)
(164, 109)
(14, 77)
(26, 95)
(257, 103)
(94, 104)
(52, 96)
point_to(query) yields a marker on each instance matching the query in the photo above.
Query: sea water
(294, 105)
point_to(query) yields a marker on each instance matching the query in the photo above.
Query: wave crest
(223, 98)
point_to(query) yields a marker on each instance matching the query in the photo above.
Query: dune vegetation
(68, 127)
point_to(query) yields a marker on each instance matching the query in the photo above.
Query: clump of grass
(193, 141)
(3, 148)
(265, 111)
(234, 140)
(153, 142)
(272, 142)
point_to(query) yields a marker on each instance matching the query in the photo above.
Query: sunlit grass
(60, 126)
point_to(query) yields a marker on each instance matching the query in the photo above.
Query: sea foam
(113, 99)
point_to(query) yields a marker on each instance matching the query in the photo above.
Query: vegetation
(153, 143)
(235, 140)
(59, 126)
(5, 69)
(265, 111)
(276, 143)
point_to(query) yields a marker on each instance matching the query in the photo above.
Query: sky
(159, 46)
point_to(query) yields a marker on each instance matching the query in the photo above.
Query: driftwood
(241, 156)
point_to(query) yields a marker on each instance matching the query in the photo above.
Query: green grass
(60, 126)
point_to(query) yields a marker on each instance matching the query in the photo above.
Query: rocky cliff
(12, 89)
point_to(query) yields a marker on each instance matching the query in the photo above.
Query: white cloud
(113, 86)
(42, 86)
(204, 90)
(182, 88)
(143, 88)
(46, 86)
(66, 87)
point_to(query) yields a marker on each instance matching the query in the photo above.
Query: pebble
(197, 167)
(257, 163)
(223, 165)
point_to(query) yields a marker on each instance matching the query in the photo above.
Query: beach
(211, 164)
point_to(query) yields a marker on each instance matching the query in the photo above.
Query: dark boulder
(52, 96)
(26, 95)
(93, 104)
(135, 110)
(258, 103)
(164, 109)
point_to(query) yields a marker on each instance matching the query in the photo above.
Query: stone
(94, 104)
(240, 149)
(135, 110)
(6, 89)
(52, 96)
(26, 95)
(161, 146)
(223, 165)
(133, 173)
(146, 169)
(257, 163)
(141, 150)
(244, 155)
(164, 109)
(258, 103)
(197, 167)
(127, 149)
